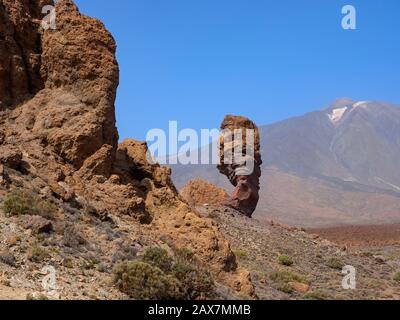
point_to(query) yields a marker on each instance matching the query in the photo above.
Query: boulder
(37, 224)
(10, 157)
(199, 192)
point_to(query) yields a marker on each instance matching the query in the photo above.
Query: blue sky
(196, 60)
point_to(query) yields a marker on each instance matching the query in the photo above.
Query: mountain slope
(315, 268)
(353, 142)
(338, 165)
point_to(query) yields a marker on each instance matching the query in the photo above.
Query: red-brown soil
(361, 236)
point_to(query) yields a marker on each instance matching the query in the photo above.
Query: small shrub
(196, 282)
(316, 295)
(158, 276)
(286, 288)
(5, 282)
(19, 202)
(37, 254)
(185, 255)
(240, 254)
(335, 263)
(144, 282)
(67, 263)
(159, 258)
(285, 260)
(89, 264)
(7, 258)
(287, 276)
(283, 279)
(40, 296)
(397, 277)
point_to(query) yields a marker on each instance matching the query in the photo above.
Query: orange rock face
(245, 177)
(200, 192)
(57, 123)
(20, 50)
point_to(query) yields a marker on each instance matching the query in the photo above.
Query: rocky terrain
(83, 216)
(72, 198)
(362, 236)
(290, 263)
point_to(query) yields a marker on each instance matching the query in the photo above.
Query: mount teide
(338, 165)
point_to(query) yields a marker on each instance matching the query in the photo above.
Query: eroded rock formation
(200, 192)
(241, 162)
(58, 132)
(20, 50)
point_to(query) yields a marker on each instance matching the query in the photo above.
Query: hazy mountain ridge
(362, 146)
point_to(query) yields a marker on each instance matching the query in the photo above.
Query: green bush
(286, 288)
(316, 295)
(185, 255)
(283, 279)
(37, 254)
(144, 282)
(196, 282)
(397, 277)
(335, 263)
(159, 258)
(20, 202)
(158, 276)
(89, 264)
(285, 260)
(40, 296)
(240, 254)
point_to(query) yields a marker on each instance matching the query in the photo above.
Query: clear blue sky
(196, 60)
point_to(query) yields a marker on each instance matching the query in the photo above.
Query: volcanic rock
(10, 157)
(57, 94)
(243, 169)
(200, 192)
(20, 50)
(37, 224)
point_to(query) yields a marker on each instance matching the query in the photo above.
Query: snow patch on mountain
(387, 183)
(360, 104)
(337, 114)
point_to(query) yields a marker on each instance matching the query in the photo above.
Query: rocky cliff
(58, 139)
